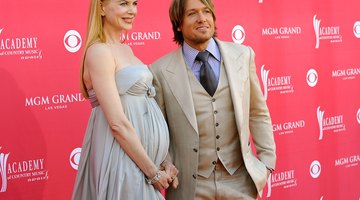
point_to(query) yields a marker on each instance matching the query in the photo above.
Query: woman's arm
(101, 68)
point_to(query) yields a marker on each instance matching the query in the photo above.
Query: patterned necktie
(207, 76)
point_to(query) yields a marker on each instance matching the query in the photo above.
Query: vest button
(213, 99)
(194, 176)
(217, 124)
(215, 112)
(218, 149)
(218, 136)
(214, 162)
(195, 150)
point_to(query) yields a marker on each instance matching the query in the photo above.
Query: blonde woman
(126, 140)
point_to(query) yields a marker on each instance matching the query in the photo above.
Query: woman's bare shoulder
(99, 56)
(98, 49)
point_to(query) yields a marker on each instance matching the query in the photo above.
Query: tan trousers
(223, 186)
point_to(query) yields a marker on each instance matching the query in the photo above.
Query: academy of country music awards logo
(333, 123)
(54, 102)
(331, 33)
(25, 48)
(284, 179)
(31, 170)
(3, 162)
(288, 179)
(281, 32)
(280, 84)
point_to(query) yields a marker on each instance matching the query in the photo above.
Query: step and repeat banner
(308, 63)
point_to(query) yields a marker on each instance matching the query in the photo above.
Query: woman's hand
(163, 182)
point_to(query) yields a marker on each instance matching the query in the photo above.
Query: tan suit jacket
(173, 94)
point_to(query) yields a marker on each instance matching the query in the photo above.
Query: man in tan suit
(210, 95)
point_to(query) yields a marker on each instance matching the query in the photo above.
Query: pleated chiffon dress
(105, 171)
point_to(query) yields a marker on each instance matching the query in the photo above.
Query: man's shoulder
(164, 60)
(233, 46)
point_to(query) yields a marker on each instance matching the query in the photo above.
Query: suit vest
(218, 134)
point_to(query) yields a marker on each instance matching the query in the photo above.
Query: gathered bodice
(135, 80)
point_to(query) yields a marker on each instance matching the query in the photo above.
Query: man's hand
(172, 171)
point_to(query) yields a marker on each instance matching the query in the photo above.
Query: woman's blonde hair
(95, 34)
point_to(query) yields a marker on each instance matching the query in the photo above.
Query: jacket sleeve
(259, 119)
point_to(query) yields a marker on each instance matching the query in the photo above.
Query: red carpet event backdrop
(308, 62)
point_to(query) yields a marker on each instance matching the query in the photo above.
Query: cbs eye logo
(312, 77)
(238, 34)
(357, 29)
(315, 169)
(72, 41)
(75, 158)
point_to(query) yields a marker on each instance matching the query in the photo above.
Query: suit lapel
(177, 78)
(235, 72)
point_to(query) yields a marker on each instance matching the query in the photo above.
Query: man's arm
(260, 121)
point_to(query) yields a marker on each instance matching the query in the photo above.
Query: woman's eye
(123, 3)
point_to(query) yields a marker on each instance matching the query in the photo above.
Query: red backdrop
(307, 55)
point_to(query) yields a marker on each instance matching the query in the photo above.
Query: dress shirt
(214, 58)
